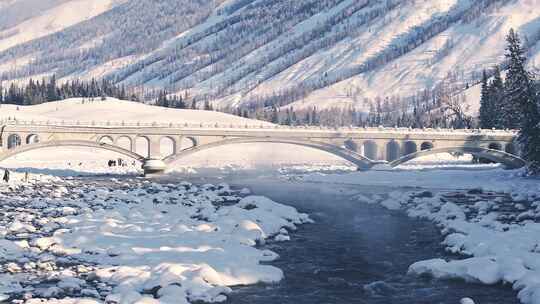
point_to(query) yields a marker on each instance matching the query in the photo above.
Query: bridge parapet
(236, 126)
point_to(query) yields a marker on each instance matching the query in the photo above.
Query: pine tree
(496, 92)
(517, 83)
(288, 119)
(274, 117)
(51, 89)
(314, 117)
(521, 95)
(486, 104)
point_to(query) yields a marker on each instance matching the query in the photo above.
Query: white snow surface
(56, 18)
(180, 243)
(115, 110)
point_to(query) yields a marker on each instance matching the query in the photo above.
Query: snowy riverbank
(494, 225)
(134, 241)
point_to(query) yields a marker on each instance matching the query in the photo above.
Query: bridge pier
(153, 167)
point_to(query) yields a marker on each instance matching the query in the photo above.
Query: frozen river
(354, 252)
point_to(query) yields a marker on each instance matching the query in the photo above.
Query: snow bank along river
(134, 241)
(129, 240)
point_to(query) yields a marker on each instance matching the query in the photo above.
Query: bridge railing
(11, 121)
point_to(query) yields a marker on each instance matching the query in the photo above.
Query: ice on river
(135, 242)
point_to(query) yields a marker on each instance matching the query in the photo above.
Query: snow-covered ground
(115, 110)
(134, 241)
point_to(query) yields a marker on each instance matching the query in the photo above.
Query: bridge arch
(13, 141)
(495, 146)
(351, 145)
(509, 160)
(70, 143)
(167, 146)
(369, 149)
(427, 145)
(410, 147)
(124, 142)
(32, 139)
(188, 142)
(106, 139)
(142, 145)
(360, 161)
(510, 148)
(392, 150)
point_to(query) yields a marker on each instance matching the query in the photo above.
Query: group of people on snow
(119, 162)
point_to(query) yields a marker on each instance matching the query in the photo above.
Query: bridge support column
(153, 167)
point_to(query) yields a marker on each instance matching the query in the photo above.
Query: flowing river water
(354, 252)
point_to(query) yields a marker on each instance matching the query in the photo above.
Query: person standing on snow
(6, 176)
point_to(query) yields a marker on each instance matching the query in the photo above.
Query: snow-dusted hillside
(309, 52)
(114, 110)
(26, 20)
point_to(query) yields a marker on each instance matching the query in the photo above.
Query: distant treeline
(47, 90)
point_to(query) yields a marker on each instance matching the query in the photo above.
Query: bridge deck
(363, 147)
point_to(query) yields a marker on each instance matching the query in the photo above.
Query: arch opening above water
(509, 160)
(495, 146)
(32, 139)
(14, 141)
(125, 142)
(142, 146)
(167, 146)
(426, 146)
(410, 147)
(188, 143)
(351, 145)
(358, 160)
(369, 150)
(106, 139)
(510, 148)
(392, 150)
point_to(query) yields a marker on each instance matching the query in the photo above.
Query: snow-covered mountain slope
(305, 53)
(114, 110)
(26, 20)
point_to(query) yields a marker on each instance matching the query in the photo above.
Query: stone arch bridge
(364, 147)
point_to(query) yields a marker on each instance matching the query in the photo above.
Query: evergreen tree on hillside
(274, 116)
(518, 85)
(46, 90)
(487, 111)
(521, 95)
(51, 89)
(496, 92)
